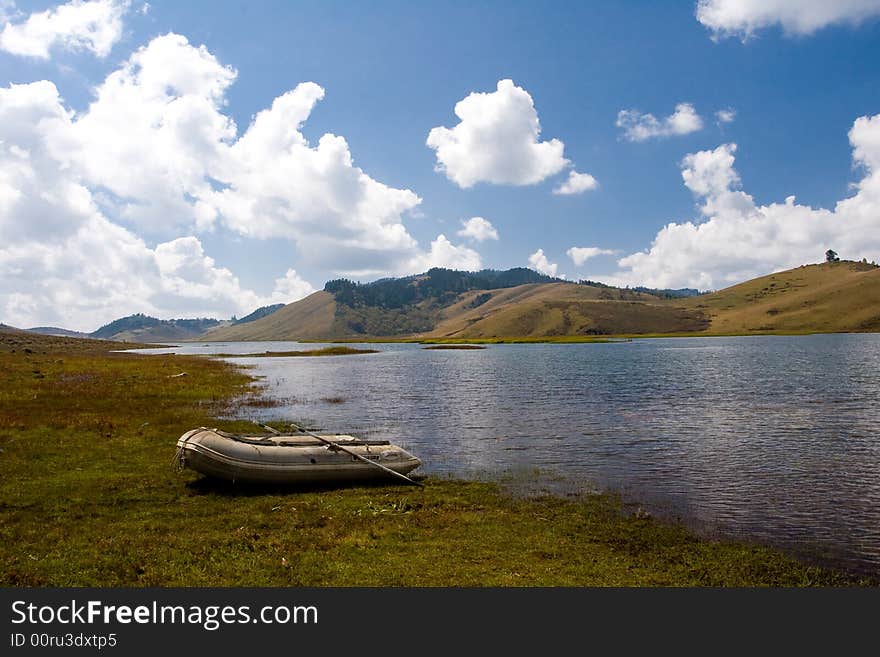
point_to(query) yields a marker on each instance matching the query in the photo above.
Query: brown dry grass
(825, 298)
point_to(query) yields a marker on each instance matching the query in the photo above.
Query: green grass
(88, 498)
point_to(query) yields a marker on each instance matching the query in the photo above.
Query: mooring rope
(178, 461)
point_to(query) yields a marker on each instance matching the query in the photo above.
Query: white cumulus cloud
(95, 26)
(576, 183)
(641, 127)
(278, 185)
(742, 18)
(580, 254)
(539, 262)
(738, 239)
(496, 141)
(156, 138)
(723, 116)
(444, 253)
(194, 281)
(64, 262)
(478, 229)
(155, 154)
(164, 157)
(290, 288)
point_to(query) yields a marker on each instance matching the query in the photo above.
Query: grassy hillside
(826, 298)
(142, 328)
(534, 310)
(559, 309)
(830, 297)
(25, 342)
(312, 318)
(54, 330)
(394, 307)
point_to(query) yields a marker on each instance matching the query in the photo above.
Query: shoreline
(568, 339)
(89, 500)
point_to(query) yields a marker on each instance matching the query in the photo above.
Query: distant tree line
(141, 321)
(259, 313)
(593, 283)
(665, 293)
(441, 285)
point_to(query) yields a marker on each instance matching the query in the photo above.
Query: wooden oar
(268, 428)
(333, 445)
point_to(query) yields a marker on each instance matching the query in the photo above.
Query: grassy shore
(88, 497)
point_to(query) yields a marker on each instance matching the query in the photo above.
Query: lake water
(765, 438)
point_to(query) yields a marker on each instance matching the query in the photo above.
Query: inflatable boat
(291, 458)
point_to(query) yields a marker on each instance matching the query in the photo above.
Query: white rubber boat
(291, 458)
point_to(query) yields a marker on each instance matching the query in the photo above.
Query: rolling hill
(312, 318)
(14, 340)
(520, 303)
(442, 303)
(61, 332)
(143, 328)
(826, 298)
(562, 309)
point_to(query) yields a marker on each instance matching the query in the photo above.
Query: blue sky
(795, 83)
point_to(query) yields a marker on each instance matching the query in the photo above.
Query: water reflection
(768, 437)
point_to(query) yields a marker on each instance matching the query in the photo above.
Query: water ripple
(771, 438)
